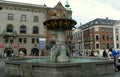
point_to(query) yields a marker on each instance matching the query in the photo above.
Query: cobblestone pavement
(117, 74)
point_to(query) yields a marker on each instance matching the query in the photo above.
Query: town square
(37, 40)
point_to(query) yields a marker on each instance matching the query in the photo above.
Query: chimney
(106, 18)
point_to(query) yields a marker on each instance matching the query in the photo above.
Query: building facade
(116, 33)
(98, 35)
(21, 26)
(78, 41)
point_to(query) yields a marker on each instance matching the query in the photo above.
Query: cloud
(87, 11)
(112, 3)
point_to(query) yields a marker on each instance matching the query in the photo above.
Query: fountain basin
(77, 67)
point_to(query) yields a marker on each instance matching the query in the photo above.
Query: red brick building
(98, 34)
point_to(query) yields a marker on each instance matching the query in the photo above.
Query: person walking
(105, 53)
(114, 55)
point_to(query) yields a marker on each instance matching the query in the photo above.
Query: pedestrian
(5, 55)
(105, 53)
(118, 52)
(92, 53)
(109, 54)
(75, 53)
(114, 54)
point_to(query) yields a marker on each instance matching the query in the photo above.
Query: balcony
(6, 34)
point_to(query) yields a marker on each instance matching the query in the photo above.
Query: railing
(9, 34)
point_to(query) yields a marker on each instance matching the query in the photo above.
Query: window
(22, 29)
(108, 46)
(37, 40)
(117, 38)
(111, 37)
(10, 28)
(25, 40)
(10, 16)
(103, 46)
(107, 37)
(106, 29)
(35, 30)
(20, 40)
(23, 18)
(35, 19)
(116, 30)
(103, 29)
(33, 40)
(97, 38)
(117, 45)
(97, 45)
(111, 30)
(103, 37)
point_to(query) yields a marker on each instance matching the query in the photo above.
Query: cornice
(21, 4)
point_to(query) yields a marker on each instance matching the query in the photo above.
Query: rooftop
(99, 21)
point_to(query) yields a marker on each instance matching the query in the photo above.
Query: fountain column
(60, 42)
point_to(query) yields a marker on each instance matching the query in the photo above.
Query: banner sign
(42, 43)
(2, 45)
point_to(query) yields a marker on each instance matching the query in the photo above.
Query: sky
(85, 10)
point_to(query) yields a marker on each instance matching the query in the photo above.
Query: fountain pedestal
(63, 57)
(60, 42)
(59, 26)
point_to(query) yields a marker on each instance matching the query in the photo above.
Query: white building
(116, 33)
(77, 41)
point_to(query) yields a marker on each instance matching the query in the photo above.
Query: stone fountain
(59, 65)
(59, 26)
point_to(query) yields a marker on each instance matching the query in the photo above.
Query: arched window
(35, 30)
(10, 28)
(23, 29)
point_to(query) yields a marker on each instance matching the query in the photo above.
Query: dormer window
(96, 22)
